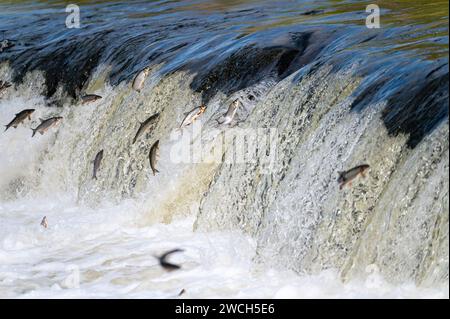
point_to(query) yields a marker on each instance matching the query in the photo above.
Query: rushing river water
(319, 93)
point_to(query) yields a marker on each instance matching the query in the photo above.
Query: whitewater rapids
(328, 93)
(107, 250)
(112, 258)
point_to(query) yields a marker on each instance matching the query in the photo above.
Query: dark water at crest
(234, 44)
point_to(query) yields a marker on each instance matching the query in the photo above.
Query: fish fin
(42, 120)
(363, 174)
(7, 127)
(34, 132)
(94, 177)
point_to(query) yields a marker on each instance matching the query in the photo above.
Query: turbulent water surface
(255, 204)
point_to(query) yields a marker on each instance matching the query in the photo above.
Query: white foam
(114, 258)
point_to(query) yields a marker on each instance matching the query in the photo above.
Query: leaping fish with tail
(154, 156)
(140, 78)
(145, 126)
(46, 125)
(97, 162)
(19, 118)
(347, 177)
(192, 116)
(229, 116)
(90, 98)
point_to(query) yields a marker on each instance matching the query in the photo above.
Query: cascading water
(319, 92)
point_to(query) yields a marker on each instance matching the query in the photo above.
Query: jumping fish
(44, 222)
(46, 125)
(229, 116)
(348, 176)
(90, 98)
(97, 162)
(20, 117)
(153, 157)
(167, 265)
(145, 126)
(140, 78)
(192, 116)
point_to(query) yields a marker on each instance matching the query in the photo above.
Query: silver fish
(44, 222)
(348, 176)
(140, 78)
(90, 98)
(154, 156)
(192, 116)
(97, 162)
(19, 118)
(46, 125)
(145, 126)
(229, 116)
